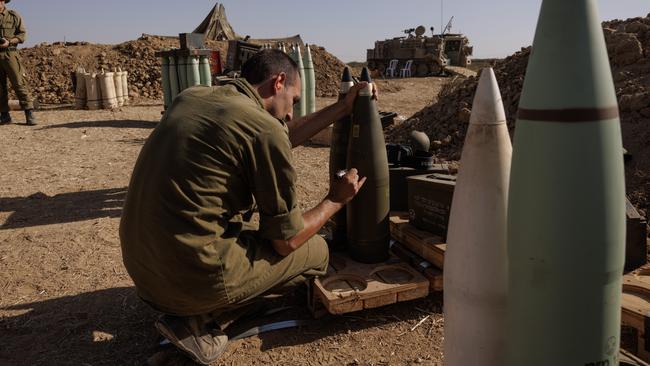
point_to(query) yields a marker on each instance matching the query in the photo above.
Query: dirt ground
(65, 297)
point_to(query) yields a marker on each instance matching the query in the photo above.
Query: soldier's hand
(5, 43)
(343, 188)
(354, 91)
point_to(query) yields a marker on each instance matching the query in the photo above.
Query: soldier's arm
(20, 34)
(302, 129)
(341, 192)
(313, 219)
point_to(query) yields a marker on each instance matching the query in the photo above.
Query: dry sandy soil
(65, 297)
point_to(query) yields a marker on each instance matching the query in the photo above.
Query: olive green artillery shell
(300, 109)
(367, 213)
(338, 161)
(566, 209)
(310, 82)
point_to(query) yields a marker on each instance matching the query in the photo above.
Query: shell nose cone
(569, 66)
(347, 75)
(365, 75)
(487, 108)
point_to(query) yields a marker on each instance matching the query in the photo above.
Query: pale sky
(496, 28)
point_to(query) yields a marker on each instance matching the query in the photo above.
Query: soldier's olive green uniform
(11, 26)
(186, 239)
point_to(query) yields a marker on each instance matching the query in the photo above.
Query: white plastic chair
(391, 70)
(406, 71)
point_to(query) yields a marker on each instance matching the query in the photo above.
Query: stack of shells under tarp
(103, 90)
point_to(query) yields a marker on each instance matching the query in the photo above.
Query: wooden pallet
(428, 270)
(352, 286)
(635, 311)
(627, 358)
(429, 246)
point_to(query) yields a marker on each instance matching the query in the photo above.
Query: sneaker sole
(162, 329)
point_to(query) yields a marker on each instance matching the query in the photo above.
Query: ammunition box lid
(435, 168)
(631, 212)
(183, 53)
(191, 41)
(436, 178)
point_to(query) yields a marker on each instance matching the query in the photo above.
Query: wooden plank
(379, 301)
(428, 246)
(635, 307)
(627, 358)
(433, 274)
(436, 280)
(416, 293)
(353, 286)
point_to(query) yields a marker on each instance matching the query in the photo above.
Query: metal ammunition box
(191, 41)
(399, 187)
(429, 201)
(636, 239)
(238, 53)
(398, 153)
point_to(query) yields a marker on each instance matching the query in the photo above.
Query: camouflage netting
(49, 66)
(628, 44)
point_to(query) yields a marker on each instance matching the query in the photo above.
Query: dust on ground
(65, 297)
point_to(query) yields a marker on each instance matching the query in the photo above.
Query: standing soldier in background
(12, 32)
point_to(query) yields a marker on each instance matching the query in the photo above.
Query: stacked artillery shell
(338, 159)
(206, 73)
(566, 213)
(174, 85)
(310, 83)
(93, 101)
(107, 85)
(475, 261)
(182, 72)
(193, 71)
(97, 78)
(299, 110)
(125, 85)
(119, 91)
(167, 91)
(367, 213)
(80, 91)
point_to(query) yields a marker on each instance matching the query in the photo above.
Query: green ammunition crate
(636, 239)
(429, 201)
(399, 187)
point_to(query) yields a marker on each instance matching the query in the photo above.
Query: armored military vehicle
(428, 55)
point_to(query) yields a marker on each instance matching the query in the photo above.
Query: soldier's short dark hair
(267, 63)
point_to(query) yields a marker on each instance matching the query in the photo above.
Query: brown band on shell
(568, 115)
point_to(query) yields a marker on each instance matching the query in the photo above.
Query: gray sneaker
(192, 336)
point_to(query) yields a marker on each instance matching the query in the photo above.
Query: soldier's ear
(280, 82)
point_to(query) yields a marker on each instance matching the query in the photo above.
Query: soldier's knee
(318, 253)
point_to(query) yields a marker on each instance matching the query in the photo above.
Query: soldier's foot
(5, 118)
(30, 119)
(192, 336)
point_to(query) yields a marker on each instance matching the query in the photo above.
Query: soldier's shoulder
(14, 13)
